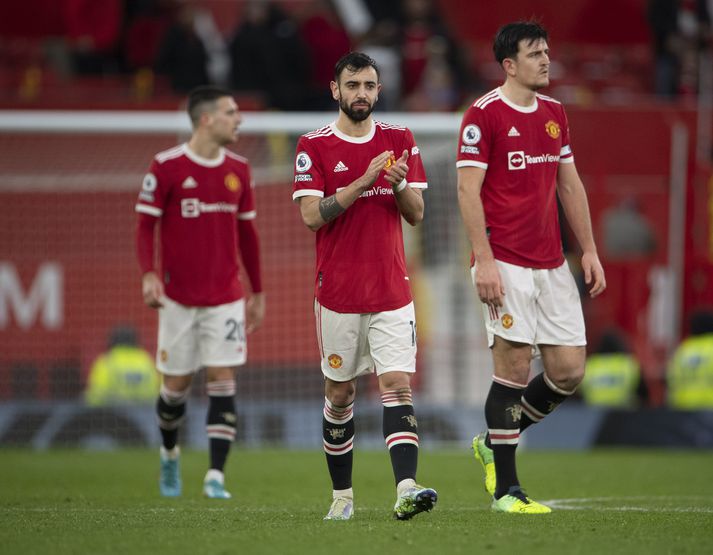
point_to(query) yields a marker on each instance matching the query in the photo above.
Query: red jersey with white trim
(361, 266)
(197, 201)
(521, 148)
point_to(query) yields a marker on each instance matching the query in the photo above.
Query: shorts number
(236, 331)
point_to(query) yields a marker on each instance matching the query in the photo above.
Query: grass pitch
(78, 502)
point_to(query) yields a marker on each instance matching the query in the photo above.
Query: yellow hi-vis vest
(690, 374)
(123, 375)
(610, 380)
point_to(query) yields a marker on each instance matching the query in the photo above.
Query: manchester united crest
(506, 321)
(232, 182)
(335, 361)
(553, 129)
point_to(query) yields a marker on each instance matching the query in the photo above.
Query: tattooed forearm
(329, 208)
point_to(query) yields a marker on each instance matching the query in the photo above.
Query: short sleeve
(246, 204)
(154, 189)
(309, 180)
(474, 140)
(416, 176)
(566, 154)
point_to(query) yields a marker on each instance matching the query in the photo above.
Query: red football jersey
(521, 149)
(361, 266)
(197, 201)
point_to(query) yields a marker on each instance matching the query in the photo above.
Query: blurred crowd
(280, 54)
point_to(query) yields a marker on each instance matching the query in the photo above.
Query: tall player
(201, 195)
(514, 161)
(354, 181)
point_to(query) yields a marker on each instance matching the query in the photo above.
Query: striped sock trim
(400, 438)
(531, 412)
(556, 389)
(220, 431)
(508, 383)
(504, 437)
(338, 449)
(173, 398)
(221, 388)
(397, 397)
(337, 415)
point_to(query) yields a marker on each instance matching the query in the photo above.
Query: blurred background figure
(613, 375)
(326, 41)
(690, 371)
(269, 57)
(125, 374)
(193, 51)
(680, 30)
(626, 231)
(433, 74)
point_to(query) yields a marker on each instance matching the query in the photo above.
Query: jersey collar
(522, 109)
(207, 162)
(356, 140)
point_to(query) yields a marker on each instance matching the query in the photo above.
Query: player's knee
(394, 381)
(171, 407)
(568, 381)
(340, 394)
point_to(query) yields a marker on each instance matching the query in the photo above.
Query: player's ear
(335, 89)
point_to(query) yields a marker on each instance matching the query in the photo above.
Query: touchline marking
(638, 503)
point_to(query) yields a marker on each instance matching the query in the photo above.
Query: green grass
(78, 502)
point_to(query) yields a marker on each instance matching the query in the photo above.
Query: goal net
(69, 276)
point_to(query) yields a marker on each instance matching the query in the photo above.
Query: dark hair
(612, 342)
(701, 322)
(199, 97)
(354, 61)
(123, 335)
(507, 39)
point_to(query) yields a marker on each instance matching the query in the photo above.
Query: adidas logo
(189, 183)
(513, 132)
(340, 167)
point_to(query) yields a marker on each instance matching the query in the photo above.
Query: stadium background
(68, 181)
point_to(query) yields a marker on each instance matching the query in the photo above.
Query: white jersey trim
(321, 132)
(523, 109)
(169, 154)
(247, 215)
(472, 163)
(207, 162)
(150, 210)
(418, 185)
(235, 156)
(354, 140)
(307, 193)
(548, 98)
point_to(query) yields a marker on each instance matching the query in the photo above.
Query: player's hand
(255, 311)
(374, 169)
(396, 172)
(488, 284)
(152, 290)
(593, 274)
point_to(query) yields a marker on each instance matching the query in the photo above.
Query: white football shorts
(355, 344)
(190, 338)
(540, 307)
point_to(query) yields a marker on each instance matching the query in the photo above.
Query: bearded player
(355, 179)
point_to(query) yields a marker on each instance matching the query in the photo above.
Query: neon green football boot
(484, 455)
(516, 502)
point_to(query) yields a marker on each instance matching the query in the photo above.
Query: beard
(355, 115)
